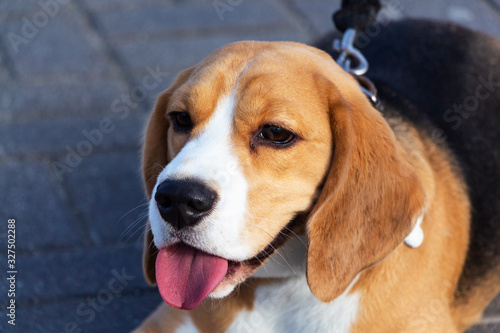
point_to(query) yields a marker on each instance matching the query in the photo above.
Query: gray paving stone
(78, 273)
(70, 98)
(473, 14)
(139, 75)
(319, 13)
(489, 328)
(121, 314)
(191, 16)
(66, 136)
(58, 47)
(27, 7)
(494, 308)
(181, 53)
(114, 5)
(173, 56)
(107, 190)
(19, 5)
(4, 71)
(30, 195)
(4, 77)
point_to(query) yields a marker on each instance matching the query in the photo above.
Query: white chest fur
(288, 306)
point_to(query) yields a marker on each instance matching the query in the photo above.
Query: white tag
(416, 236)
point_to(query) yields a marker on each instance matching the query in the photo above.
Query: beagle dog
(281, 200)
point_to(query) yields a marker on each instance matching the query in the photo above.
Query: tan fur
(425, 277)
(370, 200)
(468, 309)
(364, 178)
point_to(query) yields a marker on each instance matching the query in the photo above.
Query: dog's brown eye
(182, 121)
(276, 134)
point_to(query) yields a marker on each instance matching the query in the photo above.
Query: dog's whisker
(139, 218)
(141, 228)
(130, 211)
(248, 285)
(161, 166)
(131, 233)
(275, 251)
(134, 224)
(281, 231)
(151, 243)
(295, 234)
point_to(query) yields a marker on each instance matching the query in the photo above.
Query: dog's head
(247, 142)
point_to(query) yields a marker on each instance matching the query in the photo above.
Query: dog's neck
(287, 261)
(290, 259)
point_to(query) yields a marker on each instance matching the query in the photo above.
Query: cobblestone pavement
(77, 78)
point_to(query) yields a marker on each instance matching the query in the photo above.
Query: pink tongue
(185, 276)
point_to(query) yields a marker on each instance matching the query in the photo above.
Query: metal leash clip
(348, 53)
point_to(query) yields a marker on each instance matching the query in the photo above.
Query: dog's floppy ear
(154, 159)
(370, 200)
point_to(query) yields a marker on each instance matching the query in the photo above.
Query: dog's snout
(183, 203)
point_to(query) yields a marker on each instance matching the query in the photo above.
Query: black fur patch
(446, 79)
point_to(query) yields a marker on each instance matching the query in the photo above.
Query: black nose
(184, 203)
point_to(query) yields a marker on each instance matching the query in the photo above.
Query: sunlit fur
(363, 180)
